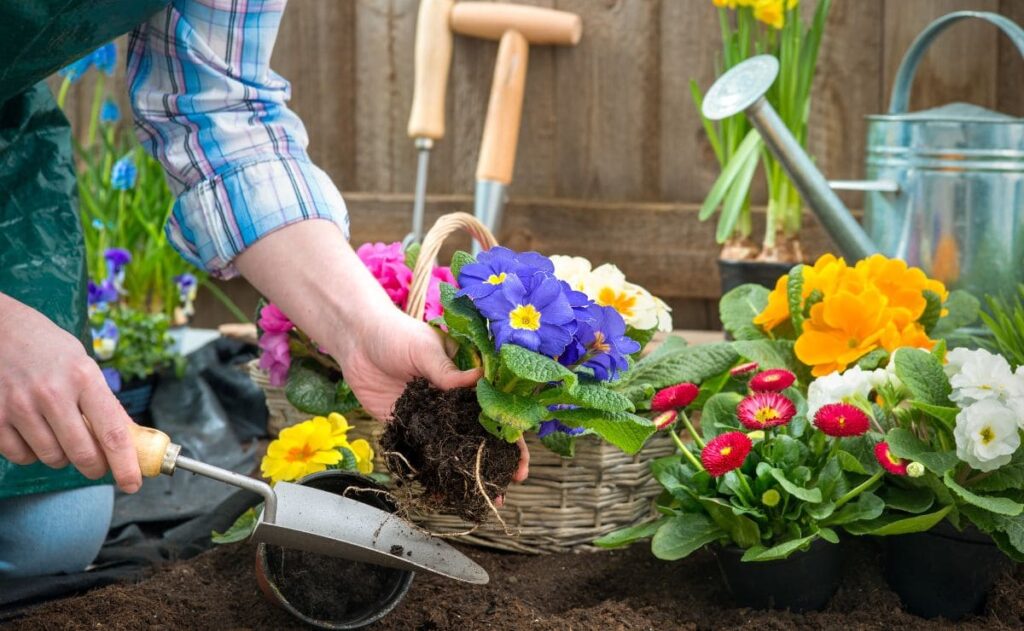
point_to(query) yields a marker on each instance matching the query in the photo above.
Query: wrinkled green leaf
(739, 307)
(692, 363)
(626, 431)
(561, 443)
(467, 325)
(932, 310)
(310, 391)
(412, 255)
(998, 505)
(512, 413)
(241, 529)
(874, 359)
(963, 311)
(794, 294)
(922, 374)
(459, 260)
(768, 353)
(534, 367)
(1008, 476)
(946, 414)
(587, 395)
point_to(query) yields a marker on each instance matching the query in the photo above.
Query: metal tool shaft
(234, 479)
(488, 203)
(424, 145)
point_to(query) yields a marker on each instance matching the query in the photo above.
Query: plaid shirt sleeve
(209, 107)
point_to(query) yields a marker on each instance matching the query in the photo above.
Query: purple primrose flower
(481, 279)
(534, 314)
(601, 343)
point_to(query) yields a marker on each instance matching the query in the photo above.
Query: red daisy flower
(725, 452)
(775, 380)
(841, 419)
(674, 397)
(764, 410)
(743, 371)
(889, 462)
(665, 419)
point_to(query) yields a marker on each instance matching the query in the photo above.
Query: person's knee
(53, 533)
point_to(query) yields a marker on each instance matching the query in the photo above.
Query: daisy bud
(674, 397)
(915, 469)
(755, 435)
(743, 372)
(775, 380)
(770, 498)
(665, 419)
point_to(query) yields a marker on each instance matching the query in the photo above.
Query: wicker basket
(565, 503)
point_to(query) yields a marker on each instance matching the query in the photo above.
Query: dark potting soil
(328, 588)
(439, 435)
(607, 590)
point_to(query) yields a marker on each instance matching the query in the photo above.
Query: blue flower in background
(123, 174)
(117, 260)
(481, 279)
(110, 112)
(100, 295)
(535, 314)
(601, 343)
(77, 69)
(113, 378)
(104, 58)
(96, 223)
(187, 290)
(104, 340)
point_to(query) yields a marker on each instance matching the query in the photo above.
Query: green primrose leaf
(587, 395)
(536, 368)
(873, 359)
(932, 310)
(626, 431)
(1007, 477)
(946, 414)
(923, 375)
(466, 324)
(312, 392)
(512, 413)
(742, 530)
(719, 414)
(459, 260)
(904, 444)
(561, 443)
(963, 309)
(768, 353)
(807, 495)
(1008, 532)
(412, 255)
(684, 534)
(691, 363)
(889, 525)
(241, 529)
(794, 294)
(998, 505)
(739, 307)
(626, 536)
(642, 337)
(781, 551)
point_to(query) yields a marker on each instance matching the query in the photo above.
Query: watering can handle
(908, 67)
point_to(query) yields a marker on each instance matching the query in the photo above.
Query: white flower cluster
(991, 400)
(852, 386)
(607, 286)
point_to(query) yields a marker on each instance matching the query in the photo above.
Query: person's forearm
(310, 271)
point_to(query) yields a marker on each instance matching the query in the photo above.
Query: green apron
(42, 252)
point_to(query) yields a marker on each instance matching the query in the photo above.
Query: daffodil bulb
(853, 385)
(986, 434)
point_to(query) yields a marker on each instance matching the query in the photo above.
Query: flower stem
(746, 488)
(689, 427)
(686, 452)
(863, 486)
(63, 94)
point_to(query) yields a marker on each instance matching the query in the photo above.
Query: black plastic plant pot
(135, 397)
(804, 581)
(327, 592)
(944, 572)
(736, 273)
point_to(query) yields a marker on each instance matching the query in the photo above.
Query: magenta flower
(276, 357)
(273, 320)
(387, 264)
(433, 308)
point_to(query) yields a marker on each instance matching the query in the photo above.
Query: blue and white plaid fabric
(209, 107)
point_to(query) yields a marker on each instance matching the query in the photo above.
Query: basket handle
(445, 226)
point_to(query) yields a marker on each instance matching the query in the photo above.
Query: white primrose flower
(837, 387)
(986, 434)
(606, 285)
(981, 375)
(572, 269)
(664, 313)
(881, 377)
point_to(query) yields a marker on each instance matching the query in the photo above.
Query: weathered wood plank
(960, 66)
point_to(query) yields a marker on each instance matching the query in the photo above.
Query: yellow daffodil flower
(771, 12)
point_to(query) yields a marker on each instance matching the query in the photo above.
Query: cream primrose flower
(986, 434)
(664, 315)
(606, 285)
(852, 386)
(981, 375)
(572, 269)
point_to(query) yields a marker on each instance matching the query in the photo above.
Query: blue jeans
(53, 533)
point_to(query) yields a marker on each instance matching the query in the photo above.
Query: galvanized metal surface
(488, 204)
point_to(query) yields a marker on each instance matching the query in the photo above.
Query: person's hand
(391, 349)
(47, 383)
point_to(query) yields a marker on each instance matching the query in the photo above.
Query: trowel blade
(324, 523)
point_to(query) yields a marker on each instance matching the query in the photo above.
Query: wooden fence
(612, 161)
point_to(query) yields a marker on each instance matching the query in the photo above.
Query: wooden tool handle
(504, 110)
(433, 58)
(151, 445)
(490, 20)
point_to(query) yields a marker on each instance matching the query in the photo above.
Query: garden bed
(622, 589)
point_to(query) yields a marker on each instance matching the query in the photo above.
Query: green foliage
(904, 444)
(795, 297)
(311, 389)
(626, 536)
(534, 368)
(769, 353)
(921, 372)
(1006, 323)
(467, 326)
(739, 307)
(690, 363)
(459, 260)
(684, 534)
(241, 529)
(144, 345)
(512, 413)
(626, 431)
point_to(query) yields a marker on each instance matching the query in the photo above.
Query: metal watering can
(946, 185)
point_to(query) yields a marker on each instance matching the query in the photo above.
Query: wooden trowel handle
(151, 446)
(504, 110)
(433, 53)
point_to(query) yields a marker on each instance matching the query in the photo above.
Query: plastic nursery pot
(805, 581)
(135, 397)
(943, 572)
(764, 273)
(328, 592)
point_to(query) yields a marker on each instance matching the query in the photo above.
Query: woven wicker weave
(565, 503)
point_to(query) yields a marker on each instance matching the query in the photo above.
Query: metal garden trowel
(304, 518)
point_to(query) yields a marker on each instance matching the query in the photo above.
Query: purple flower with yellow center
(100, 295)
(554, 425)
(535, 314)
(123, 174)
(493, 267)
(601, 343)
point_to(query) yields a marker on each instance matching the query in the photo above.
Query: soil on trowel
(434, 438)
(328, 588)
(606, 590)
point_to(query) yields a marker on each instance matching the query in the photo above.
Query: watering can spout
(742, 89)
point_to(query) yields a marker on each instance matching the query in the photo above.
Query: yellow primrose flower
(364, 455)
(300, 450)
(770, 12)
(842, 328)
(728, 4)
(339, 426)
